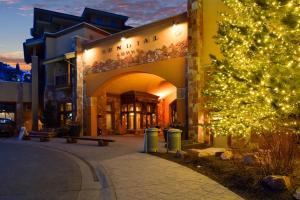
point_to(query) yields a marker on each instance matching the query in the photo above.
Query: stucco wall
(66, 43)
(211, 14)
(9, 92)
(159, 41)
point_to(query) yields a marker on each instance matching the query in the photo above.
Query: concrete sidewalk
(126, 174)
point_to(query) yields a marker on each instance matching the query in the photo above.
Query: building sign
(152, 43)
(130, 47)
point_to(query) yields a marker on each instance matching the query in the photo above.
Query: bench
(43, 138)
(101, 141)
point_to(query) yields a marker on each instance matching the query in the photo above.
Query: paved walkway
(126, 174)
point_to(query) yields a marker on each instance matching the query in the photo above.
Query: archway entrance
(130, 102)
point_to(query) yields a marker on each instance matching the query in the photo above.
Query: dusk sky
(16, 17)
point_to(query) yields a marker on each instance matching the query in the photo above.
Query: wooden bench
(101, 141)
(43, 138)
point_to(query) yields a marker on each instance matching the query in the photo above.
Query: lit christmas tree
(255, 86)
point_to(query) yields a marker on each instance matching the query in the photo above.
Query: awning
(66, 56)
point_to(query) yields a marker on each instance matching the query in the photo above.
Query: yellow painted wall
(211, 14)
(157, 35)
(65, 43)
(176, 66)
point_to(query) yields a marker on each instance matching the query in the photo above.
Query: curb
(108, 190)
(99, 173)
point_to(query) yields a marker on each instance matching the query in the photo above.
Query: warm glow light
(123, 39)
(89, 54)
(254, 87)
(164, 90)
(177, 30)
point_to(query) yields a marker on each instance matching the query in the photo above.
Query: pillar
(34, 92)
(196, 71)
(19, 106)
(93, 116)
(78, 87)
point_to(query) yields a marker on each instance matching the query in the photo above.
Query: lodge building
(120, 79)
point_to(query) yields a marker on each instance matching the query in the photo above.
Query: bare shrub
(277, 153)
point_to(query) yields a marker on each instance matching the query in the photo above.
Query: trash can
(174, 140)
(151, 140)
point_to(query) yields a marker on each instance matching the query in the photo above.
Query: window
(65, 113)
(109, 116)
(138, 110)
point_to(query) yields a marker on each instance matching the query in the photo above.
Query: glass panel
(153, 119)
(148, 108)
(144, 121)
(124, 108)
(138, 121)
(108, 107)
(6, 115)
(138, 107)
(108, 121)
(61, 107)
(131, 121)
(124, 120)
(130, 107)
(148, 120)
(153, 109)
(68, 106)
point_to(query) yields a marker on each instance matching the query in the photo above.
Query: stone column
(196, 72)
(34, 92)
(78, 87)
(101, 111)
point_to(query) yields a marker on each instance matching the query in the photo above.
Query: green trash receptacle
(174, 140)
(151, 140)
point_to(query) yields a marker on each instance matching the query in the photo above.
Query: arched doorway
(130, 102)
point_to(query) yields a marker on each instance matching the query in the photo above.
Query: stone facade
(81, 99)
(115, 101)
(196, 72)
(141, 57)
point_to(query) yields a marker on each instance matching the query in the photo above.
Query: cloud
(26, 14)
(9, 2)
(26, 7)
(12, 55)
(139, 11)
(12, 58)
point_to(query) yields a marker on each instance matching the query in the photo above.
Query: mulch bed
(243, 181)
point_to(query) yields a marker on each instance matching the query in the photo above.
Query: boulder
(227, 155)
(297, 194)
(181, 154)
(276, 182)
(204, 152)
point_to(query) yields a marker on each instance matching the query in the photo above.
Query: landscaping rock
(249, 159)
(277, 182)
(181, 154)
(227, 155)
(218, 154)
(297, 194)
(204, 152)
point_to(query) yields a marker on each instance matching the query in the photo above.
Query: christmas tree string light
(255, 85)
